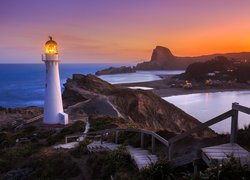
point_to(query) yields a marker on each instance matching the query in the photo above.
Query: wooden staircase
(143, 158)
(98, 146)
(186, 159)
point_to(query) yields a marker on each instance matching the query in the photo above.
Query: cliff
(142, 108)
(163, 59)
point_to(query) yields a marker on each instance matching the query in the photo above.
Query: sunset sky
(121, 31)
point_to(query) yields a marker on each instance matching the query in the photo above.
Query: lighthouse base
(64, 118)
(60, 119)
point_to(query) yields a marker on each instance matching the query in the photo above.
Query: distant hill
(225, 70)
(115, 70)
(163, 59)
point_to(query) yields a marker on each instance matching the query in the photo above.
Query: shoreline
(162, 87)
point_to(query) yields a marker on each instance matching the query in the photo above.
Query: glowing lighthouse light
(53, 107)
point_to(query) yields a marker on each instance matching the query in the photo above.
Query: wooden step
(143, 158)
(221, 152)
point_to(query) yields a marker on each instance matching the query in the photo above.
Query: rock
(161, 53)
(143, 108)
(163, 59)
(116, 70)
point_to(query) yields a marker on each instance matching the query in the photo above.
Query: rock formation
(113, 70)
(143, 108)
(163, 59)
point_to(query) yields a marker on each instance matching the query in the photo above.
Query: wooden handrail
(169, 143)
(202, 126)
(240, 108)
(158, 137)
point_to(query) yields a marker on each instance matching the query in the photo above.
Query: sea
(23, 85)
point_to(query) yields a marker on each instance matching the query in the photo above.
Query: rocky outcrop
(161, 54)
(143, 108)
(116, 70)
(163, 59)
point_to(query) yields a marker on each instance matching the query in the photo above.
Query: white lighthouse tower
(53, 107)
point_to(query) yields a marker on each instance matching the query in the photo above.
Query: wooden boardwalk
(209, 154)
(221, 152)
(98, 146)
(142, 158)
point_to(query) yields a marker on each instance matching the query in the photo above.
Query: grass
(161, 170)
(13, 154)
(104, 122)
(54, 165)
(117, 164)
(231, 169)
(80, 150)
(76, 127)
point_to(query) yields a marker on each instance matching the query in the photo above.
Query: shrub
(80, 150)
(103, 122)
(44, 133)
(4, 166)
(6, 140)
(76, 127)
(105, 165)
(20, 152)
(55, 165)
(162, 169)
(29, 129)
(230, 169)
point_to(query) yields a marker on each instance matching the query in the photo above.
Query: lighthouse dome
(51, 46)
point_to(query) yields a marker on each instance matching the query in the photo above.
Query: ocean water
(23, 84)
(205, 106)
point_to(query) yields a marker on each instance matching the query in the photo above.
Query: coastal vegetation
(36, 158)
(28, 151)
(219, 68)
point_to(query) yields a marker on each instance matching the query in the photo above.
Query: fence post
(234, 125)
(142, 139)
(116, 136)
(153, 144)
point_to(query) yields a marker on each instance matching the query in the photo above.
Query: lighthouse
(53, 107)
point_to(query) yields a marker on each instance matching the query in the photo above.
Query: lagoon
(205, 106)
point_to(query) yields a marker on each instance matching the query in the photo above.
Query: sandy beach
(162, 87)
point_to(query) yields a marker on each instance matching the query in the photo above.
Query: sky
(121, 31)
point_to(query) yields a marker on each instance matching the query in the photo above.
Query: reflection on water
(139, 76)
(205, 106)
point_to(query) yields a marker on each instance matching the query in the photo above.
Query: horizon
(120, 32)
(122, 63)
